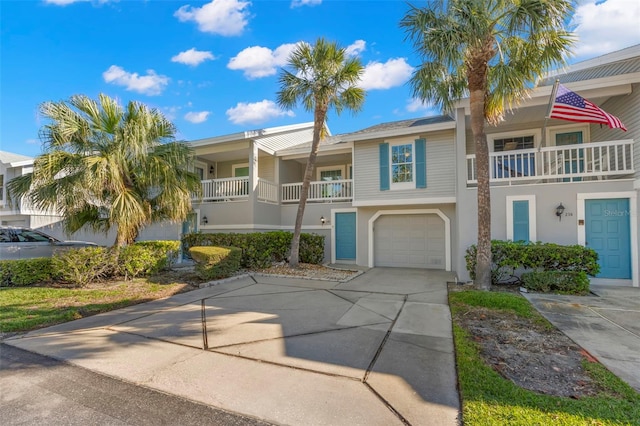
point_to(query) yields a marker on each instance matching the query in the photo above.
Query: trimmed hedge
(84, 265)
(147, 258)
(214, 263)
(561, 282)
(510, 257)
(23, 272)
(511, 260)
(261, 249)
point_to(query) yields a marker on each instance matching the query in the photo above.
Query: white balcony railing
(322, 191)
(267, 191)
(227, 189)
(567, 163)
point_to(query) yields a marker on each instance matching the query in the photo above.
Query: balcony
(320, 191)
(237, 189)
(567, 163)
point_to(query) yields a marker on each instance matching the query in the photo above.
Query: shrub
(23, 272)
(213, 263)
(311, 248)
(508, 258)
(562, 282)
(146, 257)
(84, 265)
(260, 249)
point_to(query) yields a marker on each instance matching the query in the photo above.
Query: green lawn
(489, 399)
(28, 308)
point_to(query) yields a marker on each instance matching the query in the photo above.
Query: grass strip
(29, 308)
(490, 399)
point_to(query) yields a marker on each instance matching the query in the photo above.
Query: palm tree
(491, 51)
(106, 166)
(322, 76)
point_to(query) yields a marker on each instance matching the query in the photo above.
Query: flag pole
(554, 92)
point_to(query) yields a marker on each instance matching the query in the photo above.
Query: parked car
(26, 243)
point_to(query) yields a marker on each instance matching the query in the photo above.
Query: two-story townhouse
(561, 181)
(404, 193)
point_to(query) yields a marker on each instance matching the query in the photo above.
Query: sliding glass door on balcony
(573, 159)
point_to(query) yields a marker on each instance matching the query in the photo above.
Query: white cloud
(150, 84)
(356, 48)
(192, 57)
(392, 73)
(257, 61)
(223, 17)
(606, 26)
(415, 104)
(197, 117)
(300, 3)
(256, 113)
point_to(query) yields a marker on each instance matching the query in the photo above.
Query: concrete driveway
(377, 350)
(606, 324)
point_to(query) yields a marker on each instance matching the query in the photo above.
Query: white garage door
(409, 241)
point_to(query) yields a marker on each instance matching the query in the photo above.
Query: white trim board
(447, 231)
(633, 222)
(258, 226)
(333, 231)
(404, 202)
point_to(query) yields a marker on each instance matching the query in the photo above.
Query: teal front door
(345, 227)
(608, 225)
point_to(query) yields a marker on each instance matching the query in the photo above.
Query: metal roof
(10, 158)
(280, 141)
(625, 61)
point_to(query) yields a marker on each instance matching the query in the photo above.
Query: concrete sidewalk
(606, 324)
(377, 350)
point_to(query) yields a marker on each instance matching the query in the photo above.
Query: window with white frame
(327, 173)
(401, 162)
(240, 170)
(513, 164)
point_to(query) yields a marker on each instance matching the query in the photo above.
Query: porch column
(253, 171)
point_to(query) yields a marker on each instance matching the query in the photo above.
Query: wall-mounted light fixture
(323, 220)
(211, 170)
(560, 211)
(205, 220)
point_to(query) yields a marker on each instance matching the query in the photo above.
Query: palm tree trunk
(319, 116)
(477, 89)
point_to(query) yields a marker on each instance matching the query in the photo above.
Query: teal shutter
(521, 221)
(384, 167)
(421, 163)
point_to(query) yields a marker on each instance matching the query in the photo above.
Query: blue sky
(212, 67)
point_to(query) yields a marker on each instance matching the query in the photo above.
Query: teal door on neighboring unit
(521, 221)
(608, 225)
(345, 228)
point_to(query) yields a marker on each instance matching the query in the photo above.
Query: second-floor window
(516, 164)
(509, 144)
(401, 164)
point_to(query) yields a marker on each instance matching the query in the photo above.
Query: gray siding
(266, 168)
(440, 169)
(626, 108)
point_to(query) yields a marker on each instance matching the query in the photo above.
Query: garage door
(410, 241)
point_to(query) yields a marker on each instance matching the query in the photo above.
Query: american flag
(572, 107)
